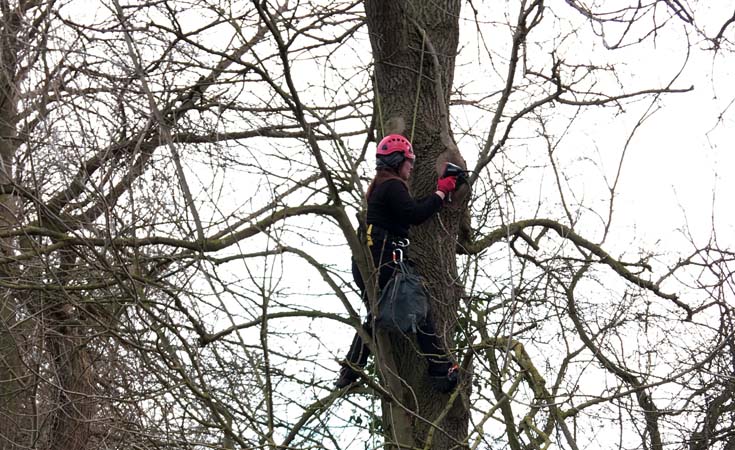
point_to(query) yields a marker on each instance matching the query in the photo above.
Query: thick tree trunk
(23, 402)
(414, 46)
(14, 398)
(75, 405)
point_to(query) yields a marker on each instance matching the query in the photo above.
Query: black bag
(404, 302)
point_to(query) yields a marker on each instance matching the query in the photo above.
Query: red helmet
(395, 143)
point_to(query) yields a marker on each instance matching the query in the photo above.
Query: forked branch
(517, 229)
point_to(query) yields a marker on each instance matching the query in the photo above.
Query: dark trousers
(426, 337)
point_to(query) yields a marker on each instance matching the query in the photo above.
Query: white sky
(680, 157)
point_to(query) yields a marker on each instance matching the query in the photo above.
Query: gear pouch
(404, 302)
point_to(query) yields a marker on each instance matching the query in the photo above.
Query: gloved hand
(447, 184)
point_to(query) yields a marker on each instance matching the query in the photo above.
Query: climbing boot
(347, 376)
(446, 382)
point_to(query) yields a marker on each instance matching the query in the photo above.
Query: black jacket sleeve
(412, 211)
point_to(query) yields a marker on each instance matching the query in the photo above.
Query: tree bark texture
(414, 45)
(39, 408)
(75, 406)
(14, 398)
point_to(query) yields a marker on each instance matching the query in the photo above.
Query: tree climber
(390, 212)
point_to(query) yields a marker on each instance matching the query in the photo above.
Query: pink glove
(446, 184)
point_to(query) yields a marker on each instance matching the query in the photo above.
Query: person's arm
(415, 211)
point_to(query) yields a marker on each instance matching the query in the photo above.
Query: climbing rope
(418, 86)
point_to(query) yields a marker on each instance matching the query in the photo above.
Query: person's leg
(355, 359)
(432, 349)
(383, 259)
(358, 353)
(443, 371)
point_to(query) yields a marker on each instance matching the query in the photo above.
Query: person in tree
(391, 210)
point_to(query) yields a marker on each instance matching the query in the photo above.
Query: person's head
(395, 154)
(394, 160)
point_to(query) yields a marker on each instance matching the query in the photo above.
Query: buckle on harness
(402, 243)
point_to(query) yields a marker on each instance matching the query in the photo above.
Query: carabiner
(397, 255)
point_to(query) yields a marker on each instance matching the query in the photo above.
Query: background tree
(173, 167)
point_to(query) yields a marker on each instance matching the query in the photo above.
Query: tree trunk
(14, 398)
(23, 402)
(75, 405)
(414, 46)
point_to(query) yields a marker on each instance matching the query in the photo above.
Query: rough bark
(14, 421)
(72, 418)
(414, 46)
(29, 416)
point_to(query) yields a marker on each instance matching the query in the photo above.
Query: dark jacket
(391, 207)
